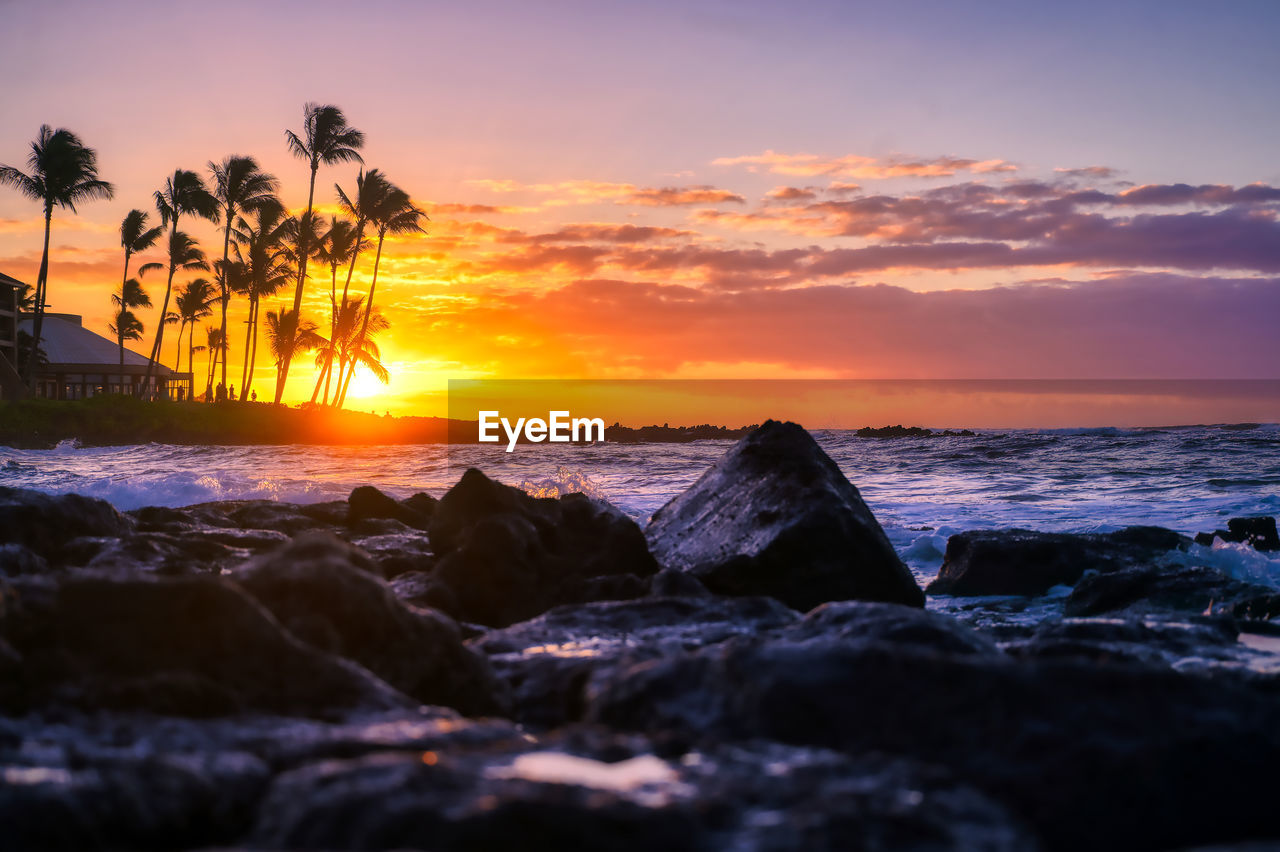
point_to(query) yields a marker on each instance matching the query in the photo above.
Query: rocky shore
(756, 669)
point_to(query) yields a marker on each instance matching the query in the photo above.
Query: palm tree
(347, 346)
(239, 185)
(135, 236)
(265, 257)
(394, 213)
(63, 171)
(125, 326)
(194, 304)
(326, 139)
(338, 245)
(131, 296)
(183, 194)
(215, 345)
(286, 335)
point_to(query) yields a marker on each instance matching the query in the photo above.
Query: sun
(365, 385)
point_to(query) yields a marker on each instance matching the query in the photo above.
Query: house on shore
(10, 383)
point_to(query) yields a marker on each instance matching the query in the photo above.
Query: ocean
(1190, 479)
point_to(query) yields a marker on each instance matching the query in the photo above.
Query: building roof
(11, 281)
(66, 341)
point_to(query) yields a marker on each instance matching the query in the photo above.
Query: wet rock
(186, 646)
(420, 588)
(398, 552)
(18, 559)
(326, 592)
(669, 583)
(1262, 607)
(891, 623)
(1185, 588)
(44, 524)
(1257, 532)
(368, 502)
(422, 503)
(507, 556)
(775, 516)
(1130, 641)
(1096, 756)
(548, 660)
(287, 518)
(1025, 562)
(332, 513)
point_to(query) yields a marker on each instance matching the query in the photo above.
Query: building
(10, 383)
(82, 364)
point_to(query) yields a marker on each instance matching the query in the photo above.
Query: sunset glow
(598, 214)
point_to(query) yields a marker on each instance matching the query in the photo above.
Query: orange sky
(612, 199)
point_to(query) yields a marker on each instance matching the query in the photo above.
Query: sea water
(922, 490)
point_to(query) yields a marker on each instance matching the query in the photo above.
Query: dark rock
(187, 646)
(421, 588)
(669, 583)
(18, 559)
(1186, 588)
(332, 513)
(893, 623)
(775, 516)
(398, 553)
(1024, 562)
(287, 518)
(44, 524)
(422, 503)
(1262, 607)
(1093, 756)
(1130, 641)
(507, 556)
(324, 591)
(1257, 532)
(368, 502)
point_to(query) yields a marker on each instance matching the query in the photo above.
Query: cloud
(792, 193)
(591, 191)
(1098, 172)
(855, 166)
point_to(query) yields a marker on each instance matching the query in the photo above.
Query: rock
(287, 518)
(186, 646)
(1257, 532)
(1024, 562)
(326, 592)
(507, 556)
(1185, 588)
(669, 583)
(1093, 756)
(331, 513)
(18, 559)
(775, 516)
(1131, 641)
(368, 502)
(422, 503)
(548, 659)
(398, 553)
(420, 588)
(893, 623)
(44, 524)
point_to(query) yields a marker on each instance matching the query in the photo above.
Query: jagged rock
(1257, 532)
(775, 516)
(368, 502)
(1093, 756)
(1186, 588)
(398, 552)
(44, 524)
(507, 556)
(1025, 562)
(187, 646)
(326, 593)
(892, 623)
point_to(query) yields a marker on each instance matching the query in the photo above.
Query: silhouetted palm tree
(125, 326)
(194, 303)
(216, 346)
(131, 296)
(338, 245)
(239, 185)
(394, 213)
(372, 189)
(135, 236)
(348, 348)
(63, 171)
(286, 336)
(326, 139)
(184, 194)
(264, 263)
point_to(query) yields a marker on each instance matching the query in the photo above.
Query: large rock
(1094, 756)
(775, 516)
(326, 592)
(368, 502)
(506, 556)
(1024, 562)
(188, 646)
(45, 524)
(1258, 532)
(1182, 588)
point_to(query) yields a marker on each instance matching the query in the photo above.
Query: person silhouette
(254, 396)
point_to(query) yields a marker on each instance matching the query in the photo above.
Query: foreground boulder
(1093, 756)
(326, 593)
(506, 556)
(184, 646)
(775, 516)
(44, 524)
(1024, 562)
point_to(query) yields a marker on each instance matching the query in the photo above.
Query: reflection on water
(646, 779)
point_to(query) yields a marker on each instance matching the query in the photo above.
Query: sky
(705, 190)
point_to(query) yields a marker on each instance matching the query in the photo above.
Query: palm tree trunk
(333, 332)
(123, 280)
(226, 293)
(164, 311)
(303, 249)
(346, 287)
(244, 372)
(364, 325)
(177, 364)
(37, 324)
(253, 353)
